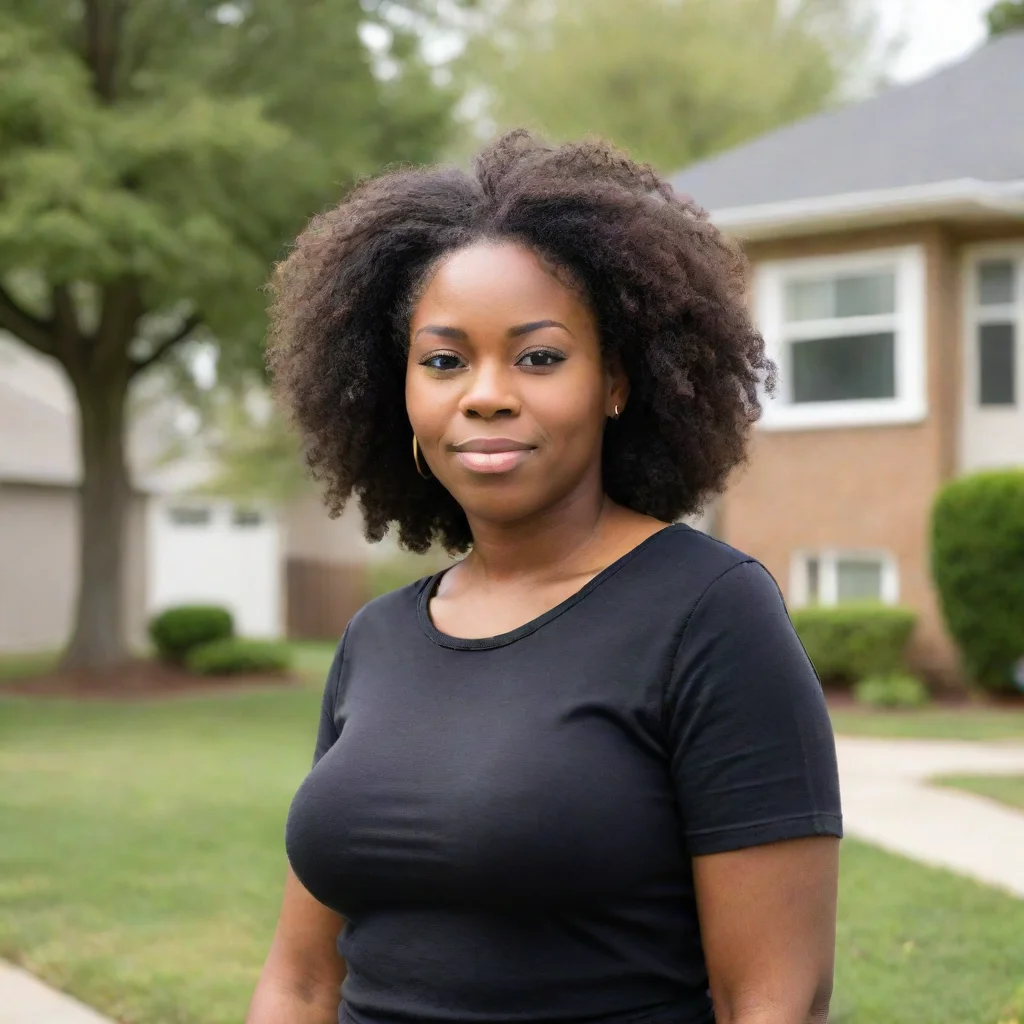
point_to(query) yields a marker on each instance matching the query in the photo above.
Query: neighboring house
(887, 244)
(279, 570)
(39, 511)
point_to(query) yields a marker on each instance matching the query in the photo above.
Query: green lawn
(17, 666)
(142, 858)
(1006, 789)
(968, 723)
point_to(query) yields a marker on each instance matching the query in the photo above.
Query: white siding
(218, 562)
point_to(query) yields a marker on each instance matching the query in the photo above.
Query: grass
(919, 945)
(18, 666)
(142, 857)
(1004, 789)
(142, 860)
(968, 723)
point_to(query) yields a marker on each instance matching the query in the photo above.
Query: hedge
(896, 691)
(851, 642)
(237, 655)
(978, 567)
(177, 631)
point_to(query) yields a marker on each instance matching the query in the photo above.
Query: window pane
(189, 516)
(996, 364)
(866, 295)
(995, 282)
(810, 300)
(844, 369)
(246, 517)
(858, 580)
(846, 295)
(813, 580)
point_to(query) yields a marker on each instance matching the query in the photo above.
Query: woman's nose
(489, 393)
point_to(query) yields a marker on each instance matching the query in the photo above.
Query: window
(246, 517)
(836, 577)
(997, 320)
(847, 334)
(189, 515)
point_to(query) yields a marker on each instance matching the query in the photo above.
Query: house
(887, 248)
(287, 570)
(39, 511)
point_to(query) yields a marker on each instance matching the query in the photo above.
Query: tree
(155, 156)
(1005, 16)
(251, 448)
(672, 81)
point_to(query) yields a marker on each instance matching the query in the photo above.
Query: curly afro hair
(667, 291)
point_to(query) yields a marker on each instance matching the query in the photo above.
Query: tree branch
(163, 346)
(65, 316)
(103, 24)
(120, 310)
(23, 325)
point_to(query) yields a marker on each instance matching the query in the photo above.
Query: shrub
(895, 691)
(236, 655)
(978, 566)
(177, 631)
(854, 641)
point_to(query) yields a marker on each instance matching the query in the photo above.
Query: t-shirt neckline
(485, 643)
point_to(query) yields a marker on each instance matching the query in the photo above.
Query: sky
(937, 32)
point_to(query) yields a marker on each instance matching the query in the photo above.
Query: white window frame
(977, 314)
(910, 404)
(828, 575)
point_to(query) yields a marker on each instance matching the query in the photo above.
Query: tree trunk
(98, 639)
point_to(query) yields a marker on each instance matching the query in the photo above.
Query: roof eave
(965, 199)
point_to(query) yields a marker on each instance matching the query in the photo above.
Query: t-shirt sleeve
(327, 731)
(752, 752)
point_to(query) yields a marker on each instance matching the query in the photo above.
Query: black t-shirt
(507, 824)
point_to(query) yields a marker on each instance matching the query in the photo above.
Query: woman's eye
(443, 361)
(541, 358)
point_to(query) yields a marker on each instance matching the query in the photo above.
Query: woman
(585, 774)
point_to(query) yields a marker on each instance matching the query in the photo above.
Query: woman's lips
(493, 462)
(492, 454)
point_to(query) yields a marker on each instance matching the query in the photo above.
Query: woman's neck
(559, 542)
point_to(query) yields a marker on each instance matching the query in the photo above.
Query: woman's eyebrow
(457, 334)
(535, 325)
(452, 333)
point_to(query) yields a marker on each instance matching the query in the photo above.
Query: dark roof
(966, 121)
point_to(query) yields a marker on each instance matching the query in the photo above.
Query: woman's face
(506, 387)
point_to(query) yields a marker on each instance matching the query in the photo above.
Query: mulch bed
(139, 679)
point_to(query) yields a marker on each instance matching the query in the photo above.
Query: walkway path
(886, 801)
(24, 1000)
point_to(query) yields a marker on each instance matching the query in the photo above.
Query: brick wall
(863, 487)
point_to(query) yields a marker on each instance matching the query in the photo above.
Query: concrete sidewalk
(25, 1000)
(887, 801)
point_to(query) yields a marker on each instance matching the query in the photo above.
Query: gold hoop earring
(615, 414)
(416, 458)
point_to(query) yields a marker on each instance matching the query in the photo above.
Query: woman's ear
(618, 388)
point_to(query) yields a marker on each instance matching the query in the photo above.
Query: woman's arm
(768, 925)
(303, 973)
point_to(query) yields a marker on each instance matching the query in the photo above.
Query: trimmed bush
(978, 566)
(236, 655)
(853, 641)
(896, 691)
(177, 631)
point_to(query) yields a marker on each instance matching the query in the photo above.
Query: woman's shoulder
(684, 558)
